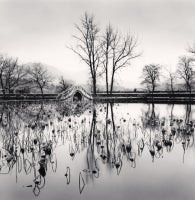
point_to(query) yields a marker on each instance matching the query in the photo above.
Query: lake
(103, 151)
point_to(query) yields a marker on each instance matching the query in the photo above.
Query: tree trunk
(42, 92)
(2, 86)
(112, 82)
(153, 88)
(107, 80)
(106, 67)
(9, 90)
(94, 86)
(3, 90)
(190, 91)
(172, 89)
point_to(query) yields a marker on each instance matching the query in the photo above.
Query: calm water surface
(120, 151)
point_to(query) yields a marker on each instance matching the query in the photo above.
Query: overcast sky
(40, 30)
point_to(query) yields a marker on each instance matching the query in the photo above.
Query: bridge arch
(75, 94)
(78, 96)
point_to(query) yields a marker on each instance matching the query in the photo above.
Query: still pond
(93, 152)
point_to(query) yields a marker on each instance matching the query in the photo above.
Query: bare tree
(171, 78)
(14, 75)
(39, 76)
(151, 76)
(170, 86)
(11, 74)
(88, 46)
(63, 85)
(123, 51)
(112, 50)
(186, 72)
(118, 51)
(106, 43)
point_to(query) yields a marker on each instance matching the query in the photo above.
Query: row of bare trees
(185, 72)
(105, 52)
(14, 76)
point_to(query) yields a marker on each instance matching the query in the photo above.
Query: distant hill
(55, 73)
(88, 88)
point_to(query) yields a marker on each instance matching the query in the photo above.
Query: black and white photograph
(97, 99)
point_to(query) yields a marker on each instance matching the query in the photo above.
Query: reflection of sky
(164, 179)
(39, 30)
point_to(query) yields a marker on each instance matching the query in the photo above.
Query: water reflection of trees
(150, 119)
(117, 139)
(31, 133)
(24, 145)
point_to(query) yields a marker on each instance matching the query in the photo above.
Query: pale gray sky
(39, 30)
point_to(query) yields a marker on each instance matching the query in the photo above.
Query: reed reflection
(31, 134)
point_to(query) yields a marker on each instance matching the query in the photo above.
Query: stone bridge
(75, 94)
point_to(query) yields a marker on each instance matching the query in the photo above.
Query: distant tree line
(184, 74)
(17, 78)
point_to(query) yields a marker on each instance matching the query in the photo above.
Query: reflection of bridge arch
(75, 94)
